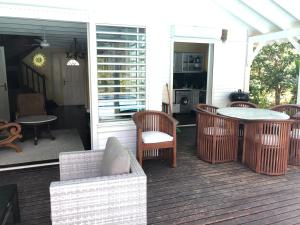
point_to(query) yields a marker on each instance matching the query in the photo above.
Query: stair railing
(33, 80)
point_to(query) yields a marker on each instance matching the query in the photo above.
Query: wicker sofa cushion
(149, 137)
(115, 159)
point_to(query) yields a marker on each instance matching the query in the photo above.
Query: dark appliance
(239, 96)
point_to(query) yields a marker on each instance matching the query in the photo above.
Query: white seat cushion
(295, 134)
(149, 137)
(215, 130)
(268, 139)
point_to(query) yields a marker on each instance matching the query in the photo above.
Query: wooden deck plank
(193, 193)
(276, 217)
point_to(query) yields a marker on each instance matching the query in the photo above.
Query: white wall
(229, 56)
(54, 71)
(158, 18)
(228, 70)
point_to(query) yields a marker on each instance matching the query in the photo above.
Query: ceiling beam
(234, 17)
(289, 7)
(275, 36)
(271, 12)
(247, 15)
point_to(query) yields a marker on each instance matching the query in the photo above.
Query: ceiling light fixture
(74, 53)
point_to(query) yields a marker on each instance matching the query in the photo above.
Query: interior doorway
(36, 59)
(191, 79)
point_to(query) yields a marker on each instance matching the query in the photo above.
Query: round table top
(252, 113)
(37, 119)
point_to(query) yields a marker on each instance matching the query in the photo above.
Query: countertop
(187, 89)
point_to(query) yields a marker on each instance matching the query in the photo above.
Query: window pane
(127, 37)
(101, 52)
(134, 45)
(121, 67)
(118, 29)
(120, 60)
(121, 71)
(117, 75)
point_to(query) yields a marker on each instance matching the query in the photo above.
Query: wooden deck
(193, 193)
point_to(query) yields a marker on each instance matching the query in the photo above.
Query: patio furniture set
(109, 186)
(270, 139)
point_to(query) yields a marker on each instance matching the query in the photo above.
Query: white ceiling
(58, 33)
(263, 16)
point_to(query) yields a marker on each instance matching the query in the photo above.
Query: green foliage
(273, 77)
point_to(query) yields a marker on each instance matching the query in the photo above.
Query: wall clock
(39, 60)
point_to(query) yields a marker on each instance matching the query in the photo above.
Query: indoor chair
(30, 104)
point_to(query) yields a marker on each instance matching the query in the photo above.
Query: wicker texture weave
(118, 199)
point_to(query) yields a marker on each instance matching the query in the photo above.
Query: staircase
(21, 78)
(32, 80)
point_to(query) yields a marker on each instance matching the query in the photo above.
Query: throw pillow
(116, 159)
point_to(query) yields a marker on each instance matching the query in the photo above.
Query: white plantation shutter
(121, 66)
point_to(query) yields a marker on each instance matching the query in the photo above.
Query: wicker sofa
(95, 199)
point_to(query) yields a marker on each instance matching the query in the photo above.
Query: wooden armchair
(206, 108)
(243, 104)
(9, 132)
(266, 146)
(294, 151)
(217, 138)
(293, 111)
(290, 109)
(156, 136)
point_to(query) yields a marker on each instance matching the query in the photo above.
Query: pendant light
(74, 53)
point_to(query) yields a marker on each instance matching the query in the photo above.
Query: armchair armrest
(80, 164)
(14, 131)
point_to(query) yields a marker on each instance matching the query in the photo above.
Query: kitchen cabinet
(188, 62)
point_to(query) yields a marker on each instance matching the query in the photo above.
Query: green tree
(274, 74)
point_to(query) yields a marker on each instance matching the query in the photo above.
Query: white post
(93, 82)
(298, 89)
